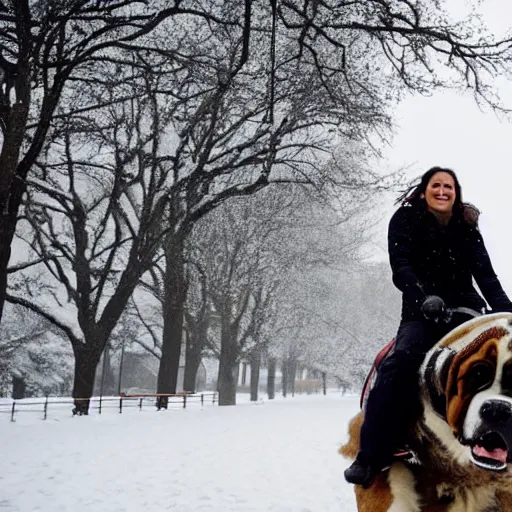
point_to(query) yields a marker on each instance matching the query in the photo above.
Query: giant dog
(462, 442)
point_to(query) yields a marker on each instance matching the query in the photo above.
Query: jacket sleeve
(400, 257)
(485, 277)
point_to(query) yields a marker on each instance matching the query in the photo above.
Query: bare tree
(94, 222)
(240, 277)
(415, 43)
(45, 46)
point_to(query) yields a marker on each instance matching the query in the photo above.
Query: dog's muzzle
(491, 438)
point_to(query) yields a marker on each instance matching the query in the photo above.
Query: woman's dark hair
(412, 196)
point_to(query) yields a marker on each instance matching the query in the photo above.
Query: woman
(435, 251)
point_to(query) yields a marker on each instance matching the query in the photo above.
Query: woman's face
(440, 193)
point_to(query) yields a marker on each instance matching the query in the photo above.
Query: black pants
(393, 402)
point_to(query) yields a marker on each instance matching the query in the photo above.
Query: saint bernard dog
(462, 445)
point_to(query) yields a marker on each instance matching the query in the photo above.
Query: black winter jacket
(429, 259)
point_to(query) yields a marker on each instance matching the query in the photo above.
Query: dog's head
(466, 382)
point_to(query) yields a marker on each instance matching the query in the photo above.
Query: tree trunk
(284, 378)
(324, 383)
(175, 295)
(228, 365)
(271, 379)
(255, 361)
(5, 254)
(12, 187)
(292, 372)
(192, 362)
(86, 361)
(227, 381)
(19, 388)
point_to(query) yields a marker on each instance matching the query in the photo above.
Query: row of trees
(246, 268)
(259, 276)
(127, 124)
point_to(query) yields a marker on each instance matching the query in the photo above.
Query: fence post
(120, 404)
(140, 405)
(99, 408)
(12, 412)
(46, 407)
(184, 401)
(202, 399)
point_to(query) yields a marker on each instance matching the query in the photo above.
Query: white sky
(449, 129)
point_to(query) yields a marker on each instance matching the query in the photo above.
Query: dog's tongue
(496, 454)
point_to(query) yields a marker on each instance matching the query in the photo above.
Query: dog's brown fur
(504, 499)
(350, 449)
(378, 497)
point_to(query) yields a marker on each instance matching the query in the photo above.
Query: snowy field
(275, 456)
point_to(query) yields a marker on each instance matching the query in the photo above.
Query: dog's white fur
(401, 481)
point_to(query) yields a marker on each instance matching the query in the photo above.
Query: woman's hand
(434, 309)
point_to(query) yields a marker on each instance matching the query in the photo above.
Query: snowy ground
(275, 456)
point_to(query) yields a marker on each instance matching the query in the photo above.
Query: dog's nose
(496, 411)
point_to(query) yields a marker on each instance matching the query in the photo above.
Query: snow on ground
(269, 456)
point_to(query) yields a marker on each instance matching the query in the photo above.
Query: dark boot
(361, 473)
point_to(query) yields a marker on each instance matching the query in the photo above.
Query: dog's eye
(506, 379)
(480, 376)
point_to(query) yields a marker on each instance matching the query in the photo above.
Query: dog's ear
(435, 378)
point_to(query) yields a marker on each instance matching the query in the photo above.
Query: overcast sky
(449, 129)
